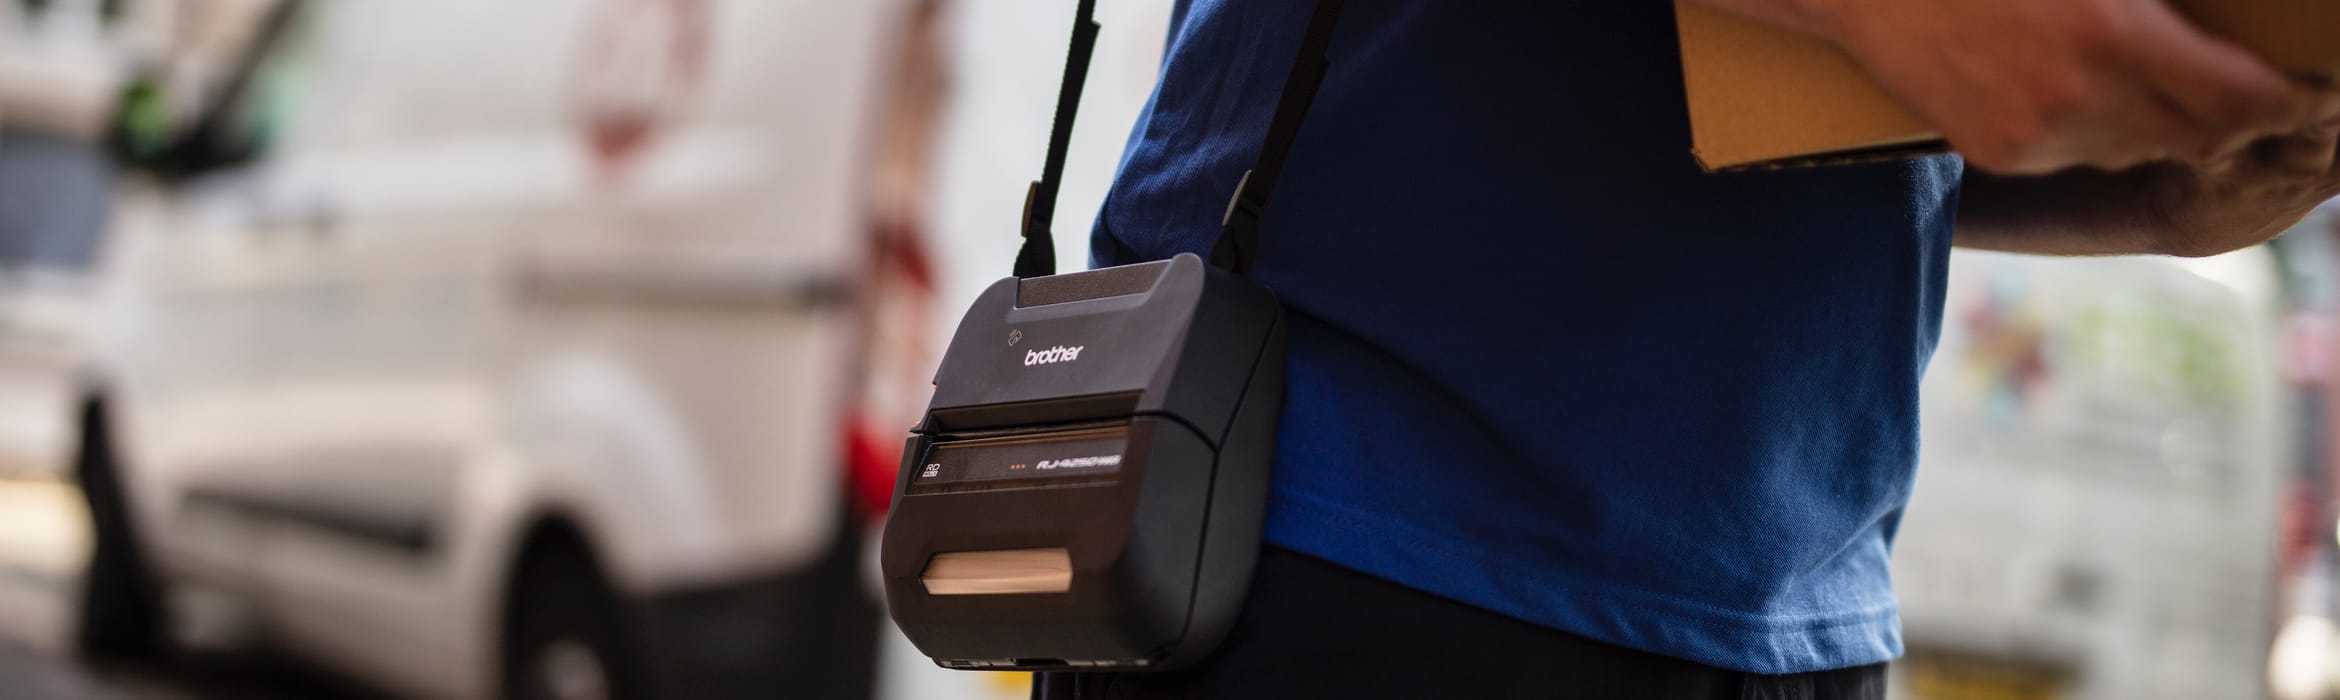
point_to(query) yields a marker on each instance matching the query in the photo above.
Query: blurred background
(452, 349)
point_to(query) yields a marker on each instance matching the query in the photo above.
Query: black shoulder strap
(1038, 258)
(1238, 244)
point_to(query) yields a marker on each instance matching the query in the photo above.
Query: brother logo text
(1053, 355)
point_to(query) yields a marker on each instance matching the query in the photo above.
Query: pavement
(26, 673)
(43, 537)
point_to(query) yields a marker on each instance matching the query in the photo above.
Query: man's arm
(2146, 135)
(2163, 208)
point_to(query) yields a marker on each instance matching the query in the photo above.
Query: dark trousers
(1313, 629)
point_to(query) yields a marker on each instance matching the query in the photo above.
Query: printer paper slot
(1082, 456)
(999, 571)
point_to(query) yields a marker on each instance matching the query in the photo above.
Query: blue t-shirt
(1540, 363)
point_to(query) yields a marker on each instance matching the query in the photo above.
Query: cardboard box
(1762, 97)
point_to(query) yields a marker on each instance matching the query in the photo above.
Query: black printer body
(1087, 487)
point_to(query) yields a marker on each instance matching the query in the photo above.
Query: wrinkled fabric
(1542, 365)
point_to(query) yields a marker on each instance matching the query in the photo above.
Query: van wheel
(121, 615)
(567, 638)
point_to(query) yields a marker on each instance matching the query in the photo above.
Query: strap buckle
(1037, 257)
(1238, 243)
(1244, 200)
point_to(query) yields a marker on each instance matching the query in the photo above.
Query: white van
(511, 366)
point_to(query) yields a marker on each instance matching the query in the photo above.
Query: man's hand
(2038, 86)
(2161, 138)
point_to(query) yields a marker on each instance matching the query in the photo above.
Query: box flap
(2301, 35)
(1760, 94)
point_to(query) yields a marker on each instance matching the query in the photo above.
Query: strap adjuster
(1243, 200)
(1037, 257)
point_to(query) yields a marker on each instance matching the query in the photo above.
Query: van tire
(121, 614)
(566, 630)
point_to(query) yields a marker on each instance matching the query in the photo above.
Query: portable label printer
(1087, 487)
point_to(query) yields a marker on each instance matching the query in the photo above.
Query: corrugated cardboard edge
(1881, 154)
